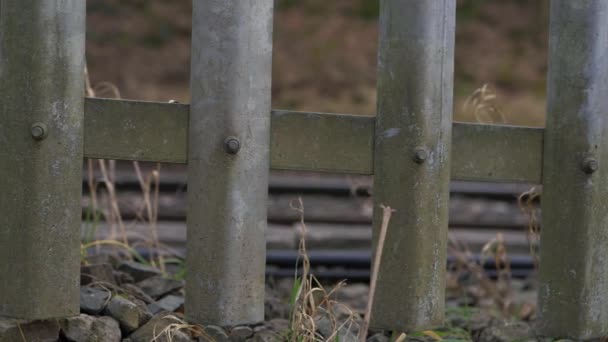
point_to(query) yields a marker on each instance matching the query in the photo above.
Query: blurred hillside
(325, 53)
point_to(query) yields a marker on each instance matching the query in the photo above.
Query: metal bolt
(39, 131)
(232, 145)
(590, 165)
(420, 155)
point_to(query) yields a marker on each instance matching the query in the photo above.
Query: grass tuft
(526, 202)
(482, 102)
(310, 301)
(179, 325)
(110, 212)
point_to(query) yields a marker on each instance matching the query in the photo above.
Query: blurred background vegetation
(325, 53)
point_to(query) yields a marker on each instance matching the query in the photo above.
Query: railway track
(338, 213)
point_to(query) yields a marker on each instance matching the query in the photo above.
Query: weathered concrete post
(228, 160)
(574, 256)
(41, 115)
(412, 159)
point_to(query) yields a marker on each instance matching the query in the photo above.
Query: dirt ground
(325, 53)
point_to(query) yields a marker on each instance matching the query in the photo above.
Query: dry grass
(150, 187)
(386, 218)
(483, 104)
(21, 332)
(526, 202)
(499, 291)
(106, 202)
(179, 325)
(311, 301)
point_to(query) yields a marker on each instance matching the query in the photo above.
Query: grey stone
(346, 335)
(478, 321)
(93, 300)
(378, 338)
(279, 325)
(274, 305)
(325, 328)
(106, 329)
(97, 273)
(167, 303)
(146, 314)
(158, 286)
(242, 333)
(99, 259)
(138, 270)
(176, 336)
(78, 328)
(128, 314)
(85, 328)
(38, 331)
(154, 309)
(123, 278)
(356, 295)
(266, 335)
(154, 327)
(505, 331)
(138, 293)
(218, 334)
(344, 313)
(259, 327)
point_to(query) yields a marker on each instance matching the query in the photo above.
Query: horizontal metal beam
(322, 142)
(497, 153)
(151, 131)
(136, 130)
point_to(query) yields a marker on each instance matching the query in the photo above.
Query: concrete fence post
(574, 239)
(412, 160)
(41, 120)
(228, 160)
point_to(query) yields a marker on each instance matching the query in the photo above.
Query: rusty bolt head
(590, 165)
(232, 145)
(38, 131)
(420, 155)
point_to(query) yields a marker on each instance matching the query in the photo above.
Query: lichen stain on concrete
(57, 111)
(389, 133)
(46, 209)
(239, 211)
(56, 168)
